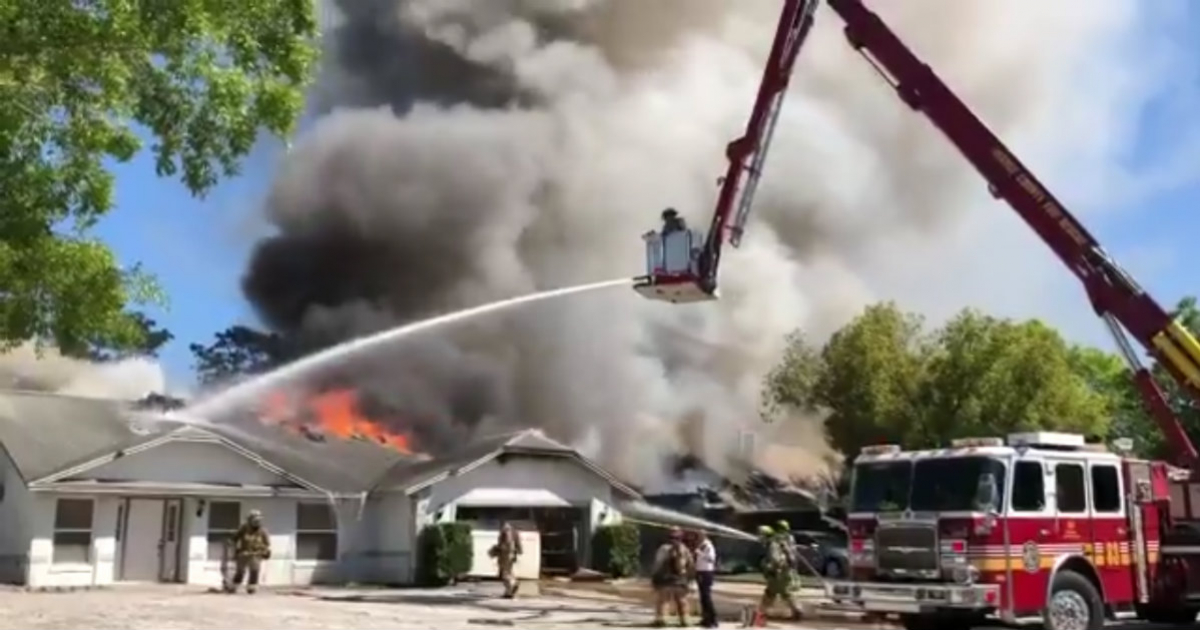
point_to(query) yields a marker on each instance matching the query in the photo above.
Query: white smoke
(626, 108)
(27, 367)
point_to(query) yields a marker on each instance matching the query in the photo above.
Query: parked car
(825, 552)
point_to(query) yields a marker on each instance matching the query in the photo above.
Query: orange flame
(336, 413)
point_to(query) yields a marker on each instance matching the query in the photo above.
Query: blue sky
(198, 248)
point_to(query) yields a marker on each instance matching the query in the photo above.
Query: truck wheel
(1074, 604)
(833, 570)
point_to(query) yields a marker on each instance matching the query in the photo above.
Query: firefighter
(673, 569)
(251, 545)
(505, 551)
(783, 531)
(672, 222)
(778, 573)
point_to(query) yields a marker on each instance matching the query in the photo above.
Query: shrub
(616, 550)
(445, 553)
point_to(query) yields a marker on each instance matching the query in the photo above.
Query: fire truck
(1032, 526)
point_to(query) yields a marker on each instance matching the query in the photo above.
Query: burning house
(95, 492)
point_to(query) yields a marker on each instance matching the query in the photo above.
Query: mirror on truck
(986, 494)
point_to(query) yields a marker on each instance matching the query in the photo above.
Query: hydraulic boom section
(681, 262)
(1125, 307)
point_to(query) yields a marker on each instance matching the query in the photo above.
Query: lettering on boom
(1040, 196)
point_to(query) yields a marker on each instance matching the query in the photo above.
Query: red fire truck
(1037, 525)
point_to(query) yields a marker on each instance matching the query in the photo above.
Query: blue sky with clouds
(198, 248)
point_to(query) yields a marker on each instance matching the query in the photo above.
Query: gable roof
(47, 433)
(336, 465)
(44, 433)
(411, 477)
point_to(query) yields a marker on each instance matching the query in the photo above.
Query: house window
(224, 518)
(316, 532)
(73, 531)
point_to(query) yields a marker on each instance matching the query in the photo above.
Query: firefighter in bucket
(673, 263)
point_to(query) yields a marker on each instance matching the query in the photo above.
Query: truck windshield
(881, 486)
(953, 484)
(930, 485)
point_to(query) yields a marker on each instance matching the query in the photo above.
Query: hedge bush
(445, 553)
(616, 550)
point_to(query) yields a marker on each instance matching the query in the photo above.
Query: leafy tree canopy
(77, 80)
(235, 352)
(884, 378)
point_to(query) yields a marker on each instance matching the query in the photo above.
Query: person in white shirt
(706, 567)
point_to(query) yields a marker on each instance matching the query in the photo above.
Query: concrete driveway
(162, 607)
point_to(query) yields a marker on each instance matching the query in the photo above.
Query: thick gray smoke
(469, 150)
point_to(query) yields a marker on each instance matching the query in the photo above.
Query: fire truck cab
(1038, 526)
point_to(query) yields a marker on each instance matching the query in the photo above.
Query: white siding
(16, 523)
(186, 462)
(388, 554)
(279, 517)
(42, 569)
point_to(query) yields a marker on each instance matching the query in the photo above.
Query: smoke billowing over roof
(465, 151)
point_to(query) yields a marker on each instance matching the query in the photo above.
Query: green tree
(237, 351)
(990, 376)
(78, 80)
(866, 377)
(883, 378)
(152, 338)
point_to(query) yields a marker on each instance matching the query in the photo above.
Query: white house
(91, 493)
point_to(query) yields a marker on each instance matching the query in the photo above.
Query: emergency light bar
(881, 449)
(1051, 439)
(976, 442)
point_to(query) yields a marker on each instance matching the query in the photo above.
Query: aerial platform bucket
(672, 269)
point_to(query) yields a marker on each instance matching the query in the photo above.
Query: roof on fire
(48, 434)
(414, 476)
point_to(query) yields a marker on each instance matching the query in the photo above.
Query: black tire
(1072, 596)
(833, 569)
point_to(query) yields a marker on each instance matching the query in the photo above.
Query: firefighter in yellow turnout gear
(778, 569)
(505, 551)
(674, 567)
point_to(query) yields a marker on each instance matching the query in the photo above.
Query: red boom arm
(691, 275)
(1115, 296)
(748, 153)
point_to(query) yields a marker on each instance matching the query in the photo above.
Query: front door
(1030, 522)
(171, 532)
(1110, 532)
(143, 533)
(1073, 522)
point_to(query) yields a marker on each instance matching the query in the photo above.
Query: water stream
(251, 391)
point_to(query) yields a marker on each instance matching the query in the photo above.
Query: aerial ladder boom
(1125, 307)
(682, 263)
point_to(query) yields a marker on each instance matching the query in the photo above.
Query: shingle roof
(410, 476)
(335, 464)
(46, 434)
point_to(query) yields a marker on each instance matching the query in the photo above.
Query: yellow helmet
(765, 530)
